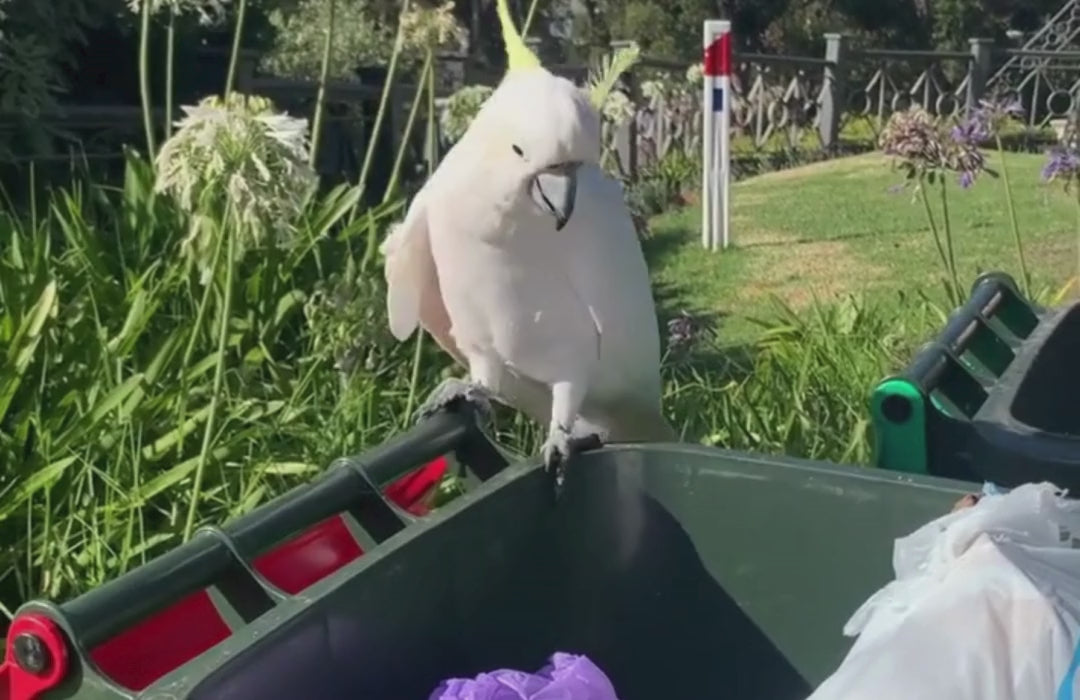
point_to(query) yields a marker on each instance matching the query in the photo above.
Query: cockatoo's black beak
(554, 190)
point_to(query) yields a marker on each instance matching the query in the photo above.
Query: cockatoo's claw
(560, 445)
(453, 390)
(556, 451)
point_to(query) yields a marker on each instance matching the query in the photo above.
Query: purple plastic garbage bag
(566, 677)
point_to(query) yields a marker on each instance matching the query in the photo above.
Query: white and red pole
(716, 136)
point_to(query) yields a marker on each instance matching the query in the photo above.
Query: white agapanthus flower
(241, 162)
(618, 107)
(433, 28)
(209, 11)
(653, 90)
(695, 74)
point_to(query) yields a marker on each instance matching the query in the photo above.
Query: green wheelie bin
(682, 571)
(992, 397)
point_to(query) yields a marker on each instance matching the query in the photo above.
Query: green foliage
(120, 350)
(37, 40)
(368, 38)
(660, 27)
(97, 308)
(955, 21)
(300, 32)
(461, 108)
(662, 185)
(797, 26)
(801, 388)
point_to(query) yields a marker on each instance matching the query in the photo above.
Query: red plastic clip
(35, 659)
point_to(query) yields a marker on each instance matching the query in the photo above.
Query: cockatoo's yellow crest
(518, 54)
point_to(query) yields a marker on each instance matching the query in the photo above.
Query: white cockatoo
(519, 256)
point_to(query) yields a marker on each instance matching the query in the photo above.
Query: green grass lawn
(832, 228)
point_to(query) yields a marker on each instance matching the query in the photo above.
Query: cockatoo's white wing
(414, 298)
(412, 294)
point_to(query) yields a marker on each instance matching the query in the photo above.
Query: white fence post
(716, 136)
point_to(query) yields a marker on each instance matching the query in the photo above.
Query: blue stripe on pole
(718, 99)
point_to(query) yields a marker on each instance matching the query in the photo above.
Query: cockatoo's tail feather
(519, 55)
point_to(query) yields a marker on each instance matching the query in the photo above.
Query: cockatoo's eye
(517, 149)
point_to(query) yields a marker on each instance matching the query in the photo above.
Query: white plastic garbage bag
(985, 606)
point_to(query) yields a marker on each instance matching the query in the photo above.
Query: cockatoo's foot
(562, 443)
(453, 390)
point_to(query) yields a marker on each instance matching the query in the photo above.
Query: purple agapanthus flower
(969, 162)
(985, 121)
(973, 131)
(923, 146)
(567, 676)
(1010, 107)
(1062, 163)
(993, 114)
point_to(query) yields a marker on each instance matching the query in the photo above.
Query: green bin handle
(903, 405)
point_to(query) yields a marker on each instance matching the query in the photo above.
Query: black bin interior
(1048, 397)
(681, 574)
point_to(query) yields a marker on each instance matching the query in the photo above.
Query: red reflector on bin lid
(323, 549)
(309, 557)
(149, 649)
(409, 491)
(153, 647)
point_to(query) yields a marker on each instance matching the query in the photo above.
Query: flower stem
(238, 32)
(949, 243)
(144, 77)
(937, 236)
(170, 68)
(324, 71)
(1025, 276)
(193, 338)
(219, 371)
(414, 378)
(528, 19)
(384, 99)
(432, 154)
(410, 122)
